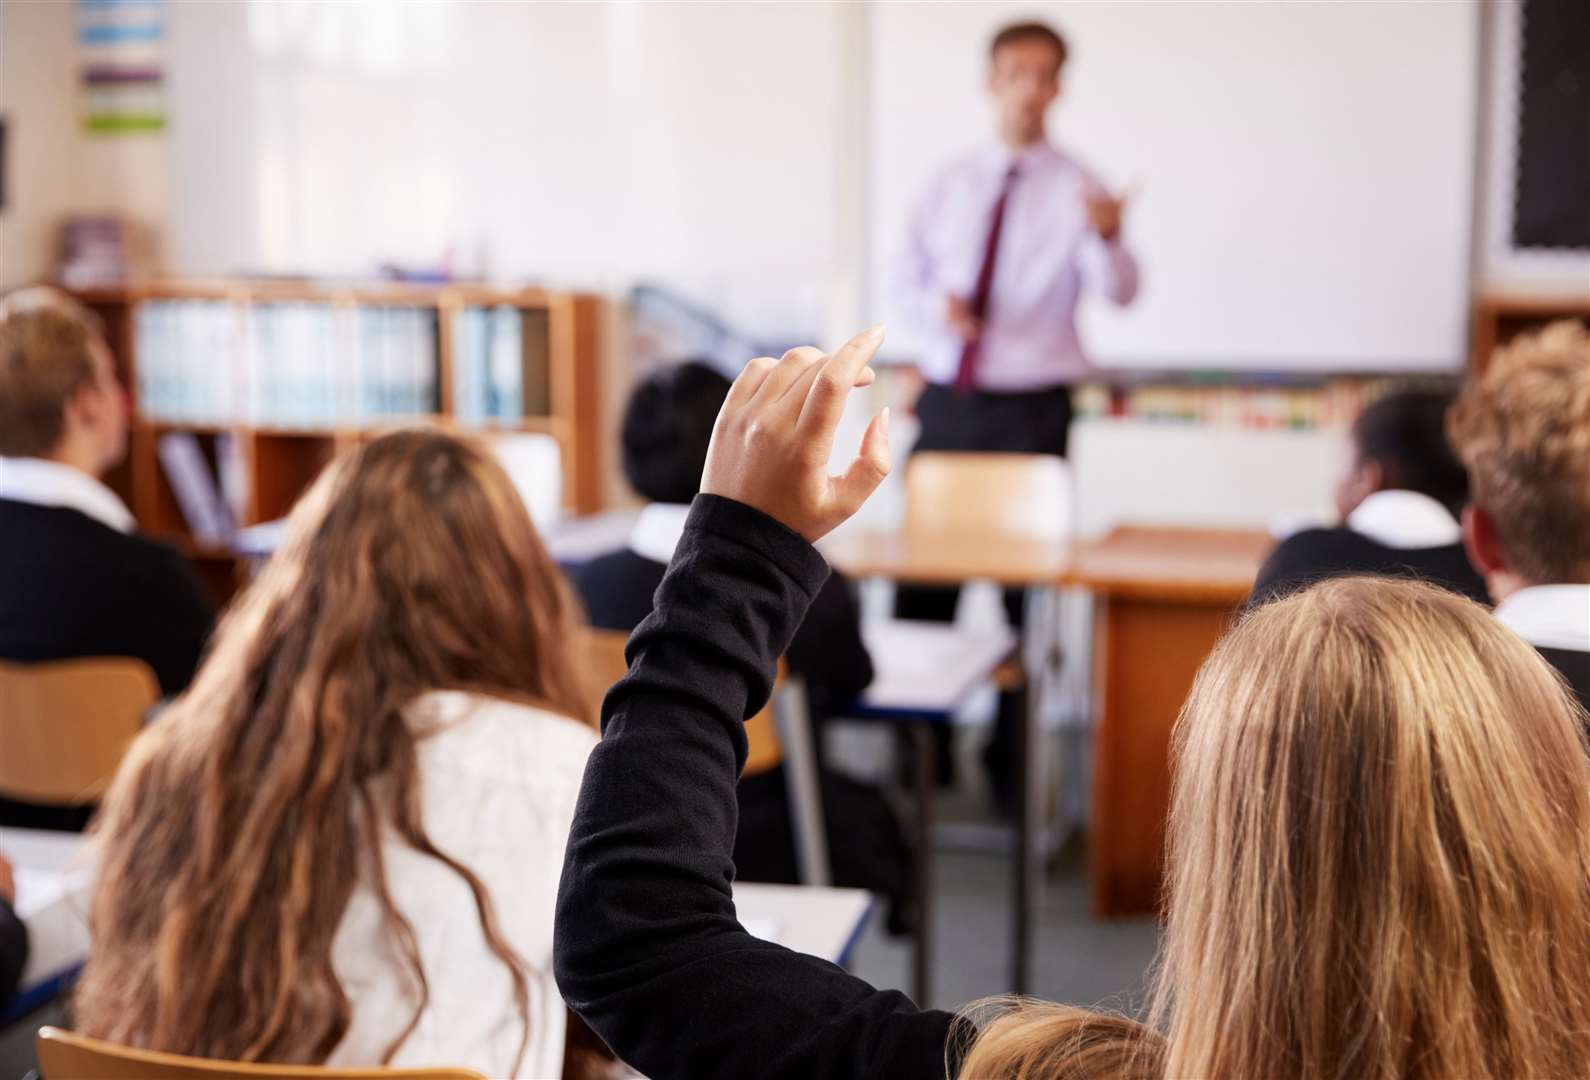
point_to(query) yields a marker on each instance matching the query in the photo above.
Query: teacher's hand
(8, 883)
(1105, 213)
(773, 437)
(958, 313)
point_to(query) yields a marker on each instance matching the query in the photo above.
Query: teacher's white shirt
(1048, 256)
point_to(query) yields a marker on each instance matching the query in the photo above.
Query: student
(1400, 503)
(13, 935)
(667, 426)
(76, 579)
(1523, 430)
(341, 845)
(1373, 869)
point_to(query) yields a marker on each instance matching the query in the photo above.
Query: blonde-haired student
(1523, 430)
(342, 845)
(76, 578)
(1379, 859)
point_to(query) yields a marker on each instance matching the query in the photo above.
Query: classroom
(947, 539)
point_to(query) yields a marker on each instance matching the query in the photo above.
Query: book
(194, 486)
(286, 364)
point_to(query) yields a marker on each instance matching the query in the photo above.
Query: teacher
(1001, 245)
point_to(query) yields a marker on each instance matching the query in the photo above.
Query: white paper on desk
(766, 927)
(38, 889)
(931, 666)
(53, 905)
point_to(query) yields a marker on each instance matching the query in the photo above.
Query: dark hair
(667, 426)
(1028, 31)
(1405, 433)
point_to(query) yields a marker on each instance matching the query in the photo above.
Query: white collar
(1549, 616)
(50, 483)
(657, 530)
(1034, 155)
(1405, 519)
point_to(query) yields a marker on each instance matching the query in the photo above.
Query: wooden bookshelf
(280, 459)
(1500, 316)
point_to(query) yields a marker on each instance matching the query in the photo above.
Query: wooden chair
(604, 655)
(67, 1056)
(994, 499)
(778, 735)
(65, 724)
(997, 496)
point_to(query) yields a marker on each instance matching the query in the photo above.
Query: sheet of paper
(766, 927)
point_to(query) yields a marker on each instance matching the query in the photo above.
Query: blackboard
(1551, 196)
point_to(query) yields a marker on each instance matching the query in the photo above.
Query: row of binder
(213, 361)
(500, 364)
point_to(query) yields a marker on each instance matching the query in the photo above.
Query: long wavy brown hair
(1378, 861)
(241, 822)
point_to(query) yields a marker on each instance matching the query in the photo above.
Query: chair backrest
(604, 656)
(65, 724)
(67, 1056)
(1009, 495)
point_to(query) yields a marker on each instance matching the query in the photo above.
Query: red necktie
(966, 373)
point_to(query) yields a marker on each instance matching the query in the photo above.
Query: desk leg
(922, 955)
(1146, 654)
(1029, 794)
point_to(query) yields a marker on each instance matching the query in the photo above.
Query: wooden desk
(947, 559)
(55, 875)
(1162, 598)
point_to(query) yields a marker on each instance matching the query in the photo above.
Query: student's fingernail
(883, 422)
(873, 331)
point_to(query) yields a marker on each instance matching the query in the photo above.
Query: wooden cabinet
(281, 453)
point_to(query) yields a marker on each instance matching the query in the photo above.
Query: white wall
(587, 144)
(54, 167)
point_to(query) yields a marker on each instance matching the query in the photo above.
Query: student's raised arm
(648, 950)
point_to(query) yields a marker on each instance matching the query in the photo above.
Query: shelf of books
(242, 391)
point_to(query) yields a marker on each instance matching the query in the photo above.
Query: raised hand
(773, 437)
(1105, 213)
(958, 314)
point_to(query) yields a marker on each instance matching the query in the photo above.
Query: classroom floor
(1078, 959)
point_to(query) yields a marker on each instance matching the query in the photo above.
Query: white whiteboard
(1305, 169)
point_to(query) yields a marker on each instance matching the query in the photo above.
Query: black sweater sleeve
(647, 948)
(172, 621)
(13, 951)
(828, 650)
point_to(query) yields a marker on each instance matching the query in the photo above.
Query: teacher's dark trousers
(1023, 422)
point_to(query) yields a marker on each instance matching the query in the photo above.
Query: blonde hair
(1025, 1039)
(1523, 430)
(1378, 858)
(46, 353)
(239, 826)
